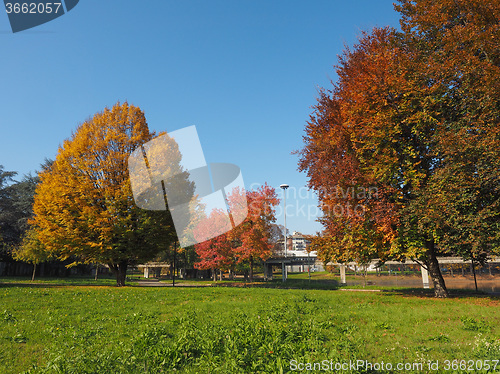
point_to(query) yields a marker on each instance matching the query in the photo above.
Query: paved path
(157, 283)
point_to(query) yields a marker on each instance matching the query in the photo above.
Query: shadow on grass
(57, 282)
(302, 284)
(277, 283)
(52, 285)
(429, 293)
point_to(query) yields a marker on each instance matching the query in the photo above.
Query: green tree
(31, 250)
(16, 203)
(8, 232)
(23, 195)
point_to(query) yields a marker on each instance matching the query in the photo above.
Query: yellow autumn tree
(84, 208)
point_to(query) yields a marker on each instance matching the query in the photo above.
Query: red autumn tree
(216, 253)
(254, 234)
(244, 243)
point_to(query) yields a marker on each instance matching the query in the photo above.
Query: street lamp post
(283, 268)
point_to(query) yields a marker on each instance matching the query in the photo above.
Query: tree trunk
(34, 270)
(96, 271)
(364, 276)
(251, 268)
(474, 271)
(120, 272)
(434, 272)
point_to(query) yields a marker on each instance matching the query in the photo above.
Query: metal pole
(284, 193)
(173, 270)
(166, 207)
(284, 187)
(286, 272)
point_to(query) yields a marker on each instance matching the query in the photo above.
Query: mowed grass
(105, 329)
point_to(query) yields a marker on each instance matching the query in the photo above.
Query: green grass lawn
(65, 328)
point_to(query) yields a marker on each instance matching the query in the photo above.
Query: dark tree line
(16, 208)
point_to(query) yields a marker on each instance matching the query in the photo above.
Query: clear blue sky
(246, 73)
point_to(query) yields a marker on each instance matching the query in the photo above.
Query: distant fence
(448, 265)
(45, 269)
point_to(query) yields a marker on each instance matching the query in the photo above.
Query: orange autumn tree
(84, 208)
(415, 114)
(255, 232)
(358, 154)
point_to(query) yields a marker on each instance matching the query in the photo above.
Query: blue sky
(245, 73)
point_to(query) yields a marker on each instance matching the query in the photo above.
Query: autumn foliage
(245, 243)
(414, 116)
(216, 253)
(84, 209)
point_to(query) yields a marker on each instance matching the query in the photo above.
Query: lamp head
(284, 186)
